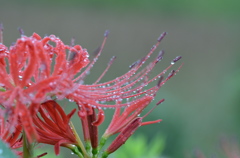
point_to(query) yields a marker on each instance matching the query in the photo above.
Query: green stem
(88, 146)
(104, 155)
(27, 147)
(75, 150)
(94, 152)
(101, 144)
(80, 144)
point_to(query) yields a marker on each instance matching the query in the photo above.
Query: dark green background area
(202, 100)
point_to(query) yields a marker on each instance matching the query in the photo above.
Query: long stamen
(86, 71)
(1, 33)
(105, 71)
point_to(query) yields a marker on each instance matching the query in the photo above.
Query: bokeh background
(202, 100)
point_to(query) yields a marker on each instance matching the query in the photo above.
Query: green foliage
(202, 8)
(5, 151)
(139, 147)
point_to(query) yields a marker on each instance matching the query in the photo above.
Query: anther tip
(173, 72)
(106, 33)
(1, 27)
(21, 31)
(160, 56)
(176, 59)
(72, 41)
(161, 36)
(160, 81)
(160, 101)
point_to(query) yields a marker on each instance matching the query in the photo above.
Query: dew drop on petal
(70, 100)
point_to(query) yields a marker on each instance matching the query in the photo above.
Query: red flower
(37, 71)
(53, 126)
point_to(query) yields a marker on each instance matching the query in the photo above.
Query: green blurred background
(202, 101)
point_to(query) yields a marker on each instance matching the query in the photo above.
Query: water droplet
(71, 100)
(43, 67)
(22, 39)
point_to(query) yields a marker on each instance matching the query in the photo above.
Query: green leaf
(157, 145)
(5, 151)
(139, 147)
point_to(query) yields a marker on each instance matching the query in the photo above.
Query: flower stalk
(80, 146)
(27, 147)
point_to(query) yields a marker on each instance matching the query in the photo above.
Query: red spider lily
(37, 71)
(11, 135)
(53, 126)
